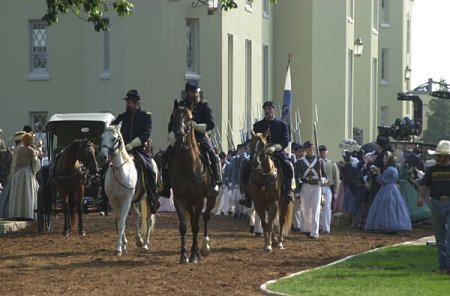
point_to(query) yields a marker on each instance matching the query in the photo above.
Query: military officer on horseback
(278, 139)
(136, 129)
(203, 122)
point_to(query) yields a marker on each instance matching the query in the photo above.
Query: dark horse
(5, 165)
(191, 180)
(74, 165)
(264, 188)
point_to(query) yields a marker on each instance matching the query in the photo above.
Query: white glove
(420, 174)
(273, 148)
(171, 139)
(323, 181)
(199, 127)
(133, 144)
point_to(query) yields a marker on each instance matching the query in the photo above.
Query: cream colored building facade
(239, 57)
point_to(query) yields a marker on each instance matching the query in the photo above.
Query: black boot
(152, 197)
(165, 192)
(215, 167)
(245, 201)
(288, 194)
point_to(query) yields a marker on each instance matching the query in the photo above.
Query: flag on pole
(287, 97)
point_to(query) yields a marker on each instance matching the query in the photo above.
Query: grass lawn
(400, 270)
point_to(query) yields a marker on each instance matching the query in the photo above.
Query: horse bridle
(186, 132)
(115, 147)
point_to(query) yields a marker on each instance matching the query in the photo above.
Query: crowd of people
(18, 197)
(375, 187)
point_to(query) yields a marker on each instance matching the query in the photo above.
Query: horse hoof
(193, 260)
(117, 253)
(268, 250)
(139, 243)
(125, 251)
(205, 250)
(82, 233)
(183, 260)
(280, 246)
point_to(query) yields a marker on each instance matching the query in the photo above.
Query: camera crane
(405, 130)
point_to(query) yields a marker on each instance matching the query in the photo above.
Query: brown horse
(264, 188)
(73, 166)
(191, 180)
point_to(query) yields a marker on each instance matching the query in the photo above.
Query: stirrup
(154, 205)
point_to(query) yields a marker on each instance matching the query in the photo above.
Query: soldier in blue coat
(136, 129)
(278, 139)
(203, 122)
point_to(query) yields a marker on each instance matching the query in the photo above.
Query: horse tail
(288, 219)
(144, 216)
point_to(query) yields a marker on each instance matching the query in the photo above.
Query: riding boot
(165, 192)
(288, 195)
(215, 167)
(152, 197)
(245, 175)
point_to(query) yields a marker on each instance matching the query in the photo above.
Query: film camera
(401, 129)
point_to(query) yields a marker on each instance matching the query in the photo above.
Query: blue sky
(430, 41)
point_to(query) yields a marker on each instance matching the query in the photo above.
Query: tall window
(106, 74)
(266, 8)
(230, 84)
(192, 46)
(38, 120)
(38, 51)
(349, 102)
(248, 81)
(375, 15)
(374, 95)
(265, 77)
(350, 5)
(408, 34)
(384, 66)
(384, 115)
(385, 13)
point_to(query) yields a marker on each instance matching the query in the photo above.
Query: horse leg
(195, 216)
(122, 213)
(79, 209)
(182, 229)
(137, 217)
(65, 208)
(210, 203)
(267, 229)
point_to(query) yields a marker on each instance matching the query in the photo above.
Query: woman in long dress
(24, 186)
(388, 212)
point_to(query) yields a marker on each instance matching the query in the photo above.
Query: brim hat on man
(443, 148)
(192, 85)
(133, 94)
(307, 144)
(322, 148)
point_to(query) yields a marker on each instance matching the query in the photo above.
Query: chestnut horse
(74, 165)
(264, 188)
(191, 179)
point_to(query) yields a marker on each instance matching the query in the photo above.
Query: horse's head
(181, 122)
(112, 142)
(87, 155)
(259, 143)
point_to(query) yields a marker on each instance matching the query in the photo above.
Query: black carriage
(61, 130)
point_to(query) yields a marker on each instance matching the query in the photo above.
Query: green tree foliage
(438, 123)
(95, 10)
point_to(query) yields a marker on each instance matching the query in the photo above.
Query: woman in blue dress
(388, 212)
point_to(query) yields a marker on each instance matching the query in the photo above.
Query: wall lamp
(358, 47)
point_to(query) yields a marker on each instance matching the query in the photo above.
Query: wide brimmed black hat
(192, 85)
(133, 95)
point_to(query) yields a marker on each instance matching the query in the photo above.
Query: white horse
(124, 189)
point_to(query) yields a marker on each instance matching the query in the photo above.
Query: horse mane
(123, 151)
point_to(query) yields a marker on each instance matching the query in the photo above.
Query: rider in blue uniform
(202, 116)
(136, 129)
(277, 139)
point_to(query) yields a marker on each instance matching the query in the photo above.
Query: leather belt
(443, 198)
(310, 181)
